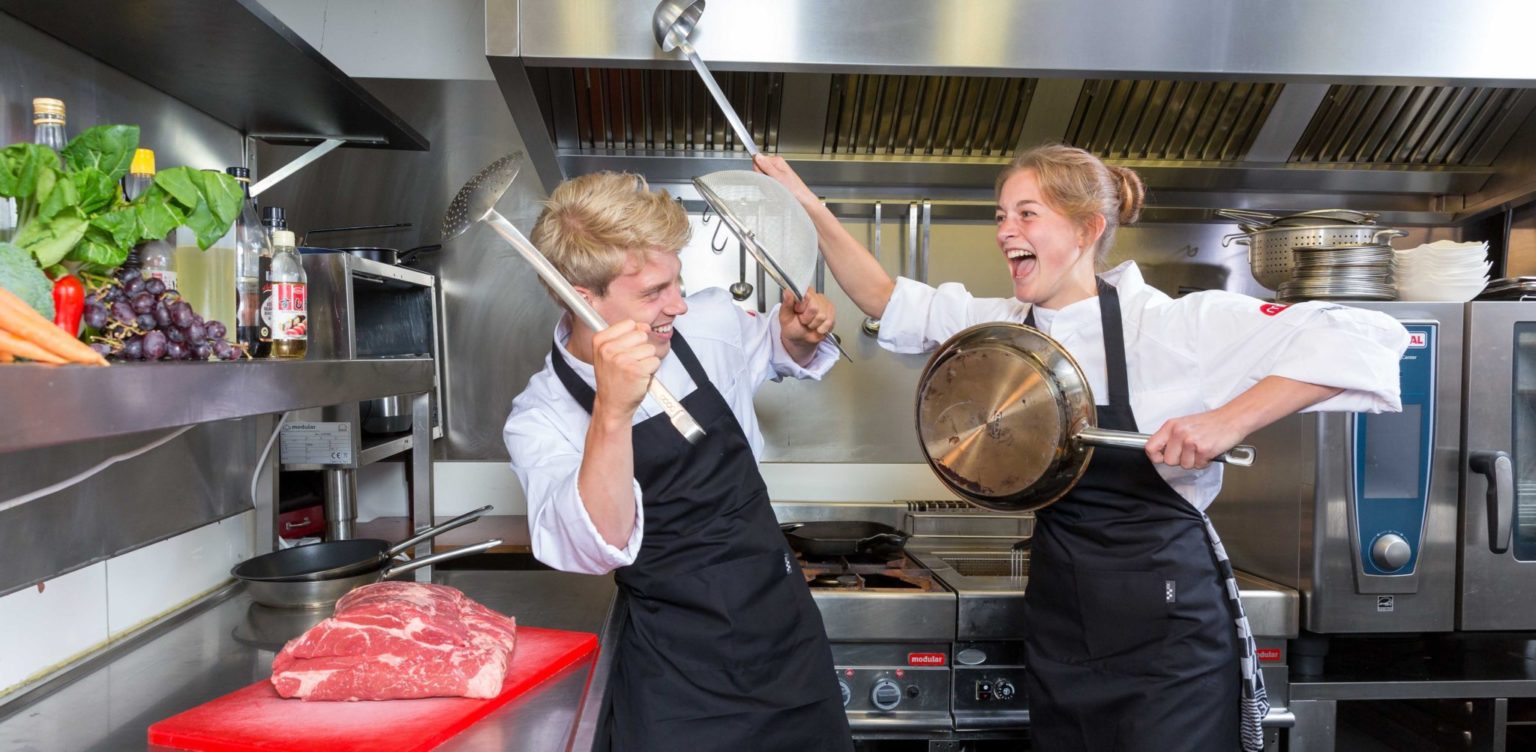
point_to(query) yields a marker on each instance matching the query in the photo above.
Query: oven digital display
(1393, 454)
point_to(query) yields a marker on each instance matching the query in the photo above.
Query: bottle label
(169, 278)
(290, 312)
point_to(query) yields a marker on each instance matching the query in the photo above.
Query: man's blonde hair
(594, 224)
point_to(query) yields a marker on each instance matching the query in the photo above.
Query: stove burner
(846, 581)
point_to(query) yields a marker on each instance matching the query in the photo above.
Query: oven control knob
(885, 695)
(1390, 552)
(1003, 689)
(842, 686)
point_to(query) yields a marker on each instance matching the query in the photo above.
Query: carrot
(6, 357)
(24, 349)
(25, 323)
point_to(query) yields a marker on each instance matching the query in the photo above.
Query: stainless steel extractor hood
(1414, 108)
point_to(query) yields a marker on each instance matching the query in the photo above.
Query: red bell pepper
(68, 303)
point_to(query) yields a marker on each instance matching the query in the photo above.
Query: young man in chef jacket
(723, 646)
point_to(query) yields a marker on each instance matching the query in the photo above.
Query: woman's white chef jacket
(1183, 356)
(547, 429)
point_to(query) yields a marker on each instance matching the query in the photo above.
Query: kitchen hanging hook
(707, 210)
(715, 243)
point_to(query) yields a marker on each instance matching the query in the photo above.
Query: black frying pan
(334, 559)
(838, 538)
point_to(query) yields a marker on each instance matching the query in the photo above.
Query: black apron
(724, 648)
(1131, 642)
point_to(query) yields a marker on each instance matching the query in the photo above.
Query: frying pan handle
(1239, 456)
(435, 530)
(681, 419)
(414, 564)
(894, 539)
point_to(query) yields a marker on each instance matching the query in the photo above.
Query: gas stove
(930, 644)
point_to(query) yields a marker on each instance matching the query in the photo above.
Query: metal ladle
(476, 202)
(741, 290)
(673, 22)
(871, 325)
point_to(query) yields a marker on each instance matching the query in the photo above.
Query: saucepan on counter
(1006, 419)
(844, 538)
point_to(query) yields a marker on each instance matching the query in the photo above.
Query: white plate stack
(1443, 270)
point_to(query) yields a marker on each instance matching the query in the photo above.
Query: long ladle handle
(714, 90)
(1238, 456)
(435, 530)
(681, 420)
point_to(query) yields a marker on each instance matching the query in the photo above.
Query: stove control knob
(1390, 552)
(1003, 689)
(885, 695)
(847, 693)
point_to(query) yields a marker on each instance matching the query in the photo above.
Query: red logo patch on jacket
(1271, 309)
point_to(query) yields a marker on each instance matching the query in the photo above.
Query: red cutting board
(256, 719)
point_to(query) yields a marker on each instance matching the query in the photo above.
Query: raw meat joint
(399, 640)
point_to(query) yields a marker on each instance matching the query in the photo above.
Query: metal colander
(1270, 250)
(753, 204)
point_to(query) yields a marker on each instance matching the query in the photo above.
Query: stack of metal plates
(1510, 288)
(1340, 272)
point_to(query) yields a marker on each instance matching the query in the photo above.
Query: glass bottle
(48, 124)
(290, 304)
(251, 245)
(272, 218)
(154, 258)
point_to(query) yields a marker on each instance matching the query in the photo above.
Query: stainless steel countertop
(229, 643)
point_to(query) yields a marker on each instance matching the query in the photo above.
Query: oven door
(1498, 470)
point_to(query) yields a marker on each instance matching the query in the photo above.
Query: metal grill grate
(1183, 120)
(989, 567)
(1415, 125)
(925, 115)
(647, 109)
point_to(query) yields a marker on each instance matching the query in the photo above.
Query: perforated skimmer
(476, 202)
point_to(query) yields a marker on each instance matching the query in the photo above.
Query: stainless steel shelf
(50, 405)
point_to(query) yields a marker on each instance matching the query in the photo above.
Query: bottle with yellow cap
(154, 258)
(48, 124)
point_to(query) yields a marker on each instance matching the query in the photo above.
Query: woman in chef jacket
(1135, 638)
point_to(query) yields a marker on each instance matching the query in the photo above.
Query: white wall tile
(40, 629)
(146, 583)
(462, 486)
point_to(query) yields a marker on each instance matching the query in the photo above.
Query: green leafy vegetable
(75, 213)
(21, 275)
(107, 148)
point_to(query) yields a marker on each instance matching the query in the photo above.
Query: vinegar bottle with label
(290, 299)
(252, 247)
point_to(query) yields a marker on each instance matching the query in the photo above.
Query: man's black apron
(1131, 642)
(724, 648)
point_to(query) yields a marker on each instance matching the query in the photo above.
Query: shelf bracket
(300, 162)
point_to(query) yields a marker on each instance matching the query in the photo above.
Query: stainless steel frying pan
(1006, 419)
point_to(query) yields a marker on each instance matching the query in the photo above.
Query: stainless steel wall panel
(197, 478)
(497, 319)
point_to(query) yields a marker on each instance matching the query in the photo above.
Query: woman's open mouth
(1021, 263)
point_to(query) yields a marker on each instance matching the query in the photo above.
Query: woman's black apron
(724, 649)
(1131, 642)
